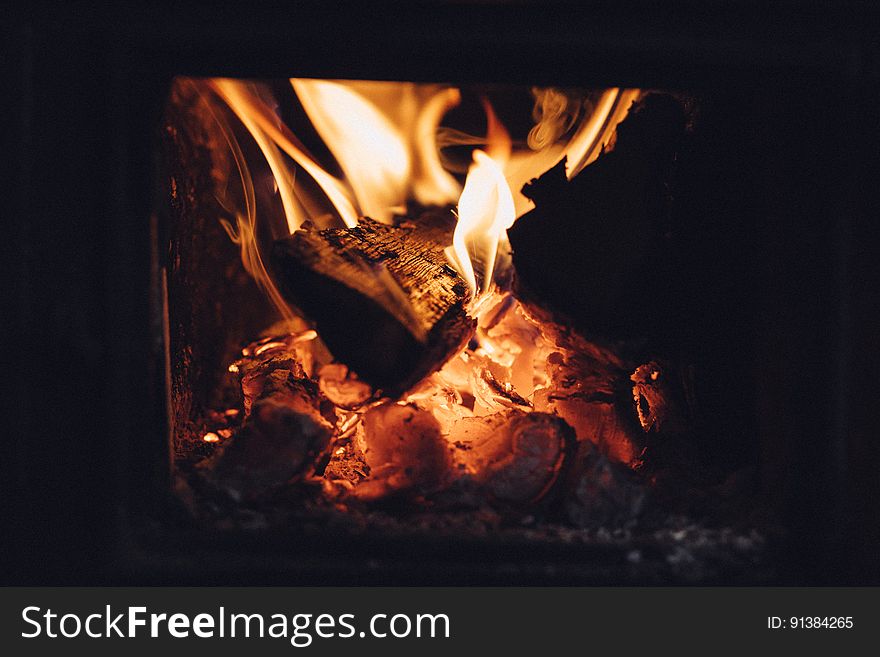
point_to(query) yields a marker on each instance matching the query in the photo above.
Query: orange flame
(369, 148)
(263, 124)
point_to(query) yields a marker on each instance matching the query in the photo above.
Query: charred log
(383, 298)
(594, 249)
(624, 408)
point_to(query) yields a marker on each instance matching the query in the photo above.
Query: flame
(488, 206)
(244, 232)
(382, 134)
(369, 148)
(485, 211)
(384, 137)
(263, 124)
(595, 133)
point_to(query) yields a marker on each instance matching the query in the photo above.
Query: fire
(492, 393)
(485, 210)
(490, 204)
(384, 138)
(264, 126)
(370, 149)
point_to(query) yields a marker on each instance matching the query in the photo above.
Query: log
(591, 390)
(509, 459)
(285, 436)
(383, 298)
(594, 251)
(602, 256)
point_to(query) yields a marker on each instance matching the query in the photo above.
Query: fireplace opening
(401, 309)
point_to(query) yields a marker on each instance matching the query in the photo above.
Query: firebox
(505, 293)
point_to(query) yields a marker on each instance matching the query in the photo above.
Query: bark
(383, 298)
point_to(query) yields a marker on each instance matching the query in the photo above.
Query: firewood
(594, 250)
(285, 435)
(590, 389)
(515, 457)
(664, 397)
(383, 298)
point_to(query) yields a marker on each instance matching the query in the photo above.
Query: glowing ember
(383, 138)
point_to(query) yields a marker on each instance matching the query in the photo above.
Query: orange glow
(379, 157)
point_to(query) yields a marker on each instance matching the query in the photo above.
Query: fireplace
(646, 365)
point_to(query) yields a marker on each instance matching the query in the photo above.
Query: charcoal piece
(285, 436)
(602, 493)
(517, 458)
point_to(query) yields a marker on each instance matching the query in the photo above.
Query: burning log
(588, 390)
(594, 250)
(383, 298)
(597, 255)
(286, 433)
(511, 458)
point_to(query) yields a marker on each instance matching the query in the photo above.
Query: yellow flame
(244, 232)
(382, 134)
(594, 134)
(369, 148)
(432, 184)
(490, 202)
(253, 111)
(485, 211)
(591, 136)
